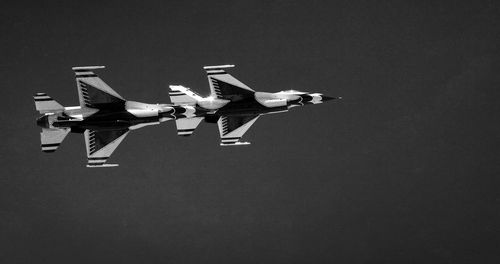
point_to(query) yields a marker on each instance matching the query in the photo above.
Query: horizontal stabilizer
(186, 126)
(45, 104)
(180, 95)
(51, 138)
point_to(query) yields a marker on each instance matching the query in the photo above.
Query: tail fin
(180, 95)
(45, 104)
(52, 138)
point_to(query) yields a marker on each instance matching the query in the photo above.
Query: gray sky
(404, 169)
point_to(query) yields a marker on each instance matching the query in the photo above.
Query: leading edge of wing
(100, 144)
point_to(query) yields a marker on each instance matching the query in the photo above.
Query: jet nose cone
(327, 98)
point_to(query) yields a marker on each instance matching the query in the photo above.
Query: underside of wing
(232, 128)
(101, 144)
(93, 91)
(225, 86)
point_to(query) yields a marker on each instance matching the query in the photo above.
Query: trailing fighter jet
(103, 116)
(234, 106)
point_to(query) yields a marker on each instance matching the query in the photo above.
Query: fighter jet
(234, 106)
(103, 116)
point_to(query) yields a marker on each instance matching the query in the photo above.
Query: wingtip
(218, 67)
(102, 166)
(234, 144)
(88, 67)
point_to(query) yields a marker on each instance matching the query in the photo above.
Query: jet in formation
(105, 118)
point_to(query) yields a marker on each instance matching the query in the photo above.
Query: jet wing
(225, 86)
(232, 128)
(93, 91)
(101, 144)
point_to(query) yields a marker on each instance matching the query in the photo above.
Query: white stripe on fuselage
(79, 112)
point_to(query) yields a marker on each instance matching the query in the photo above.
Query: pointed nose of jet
(325, 98)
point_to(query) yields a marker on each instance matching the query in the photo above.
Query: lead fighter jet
(105, 118)
(234, 106)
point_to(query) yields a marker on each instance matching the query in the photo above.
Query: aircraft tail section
(45, 104)
(180, 95)
(51, 138)
(186, 126)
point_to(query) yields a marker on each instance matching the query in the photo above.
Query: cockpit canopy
(291, 91)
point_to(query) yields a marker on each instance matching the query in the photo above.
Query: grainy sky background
(405, 169)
